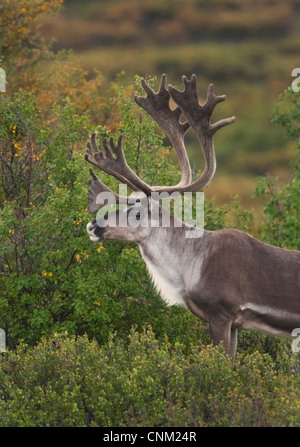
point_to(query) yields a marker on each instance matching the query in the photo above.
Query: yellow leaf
(100, 247)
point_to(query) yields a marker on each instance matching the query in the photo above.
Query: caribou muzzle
(95, 232)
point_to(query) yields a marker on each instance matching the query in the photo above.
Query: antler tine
(96, 186)
(158, 106)
(211, 101)
(115, 166)
(197, 115)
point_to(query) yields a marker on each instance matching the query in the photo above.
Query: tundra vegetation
(89, 341)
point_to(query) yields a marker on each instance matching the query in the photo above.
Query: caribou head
(111, 159)
(227, 278)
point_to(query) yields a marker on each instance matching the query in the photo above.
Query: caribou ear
(95, 188)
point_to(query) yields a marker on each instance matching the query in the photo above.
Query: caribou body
(227, 278)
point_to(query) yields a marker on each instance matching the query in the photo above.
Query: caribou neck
(171, 262)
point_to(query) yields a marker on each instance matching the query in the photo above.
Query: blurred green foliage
(171, 21)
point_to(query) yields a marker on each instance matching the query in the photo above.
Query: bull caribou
(226, 277)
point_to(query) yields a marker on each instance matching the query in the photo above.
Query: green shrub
(68, 381)
(282, 203)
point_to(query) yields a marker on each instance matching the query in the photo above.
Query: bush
(282, 203)
(68, 381)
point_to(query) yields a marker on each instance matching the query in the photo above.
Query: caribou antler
(112, 160)
(199, 118)
(158, 106)
(116, 166)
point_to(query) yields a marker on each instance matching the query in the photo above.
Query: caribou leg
(221, 331)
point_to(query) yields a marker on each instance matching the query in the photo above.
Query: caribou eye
(138, 215)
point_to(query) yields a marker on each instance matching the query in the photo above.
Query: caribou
(227, 278)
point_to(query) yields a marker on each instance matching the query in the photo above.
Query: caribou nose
(91, 229)
(91, 226)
